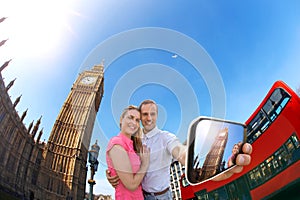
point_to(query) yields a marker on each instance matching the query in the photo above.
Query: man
(165, 146)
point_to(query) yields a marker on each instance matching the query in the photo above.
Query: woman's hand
(145, 157)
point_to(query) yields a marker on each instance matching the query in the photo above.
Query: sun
(35, 27)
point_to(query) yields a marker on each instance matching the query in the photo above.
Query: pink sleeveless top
(121, 192)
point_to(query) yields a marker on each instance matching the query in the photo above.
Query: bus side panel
(278, 182)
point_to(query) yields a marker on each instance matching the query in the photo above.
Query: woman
(235, 151)
(127, 157)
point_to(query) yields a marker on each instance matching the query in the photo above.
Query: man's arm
(179, 153)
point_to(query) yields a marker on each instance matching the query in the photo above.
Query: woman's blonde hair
(137, 136)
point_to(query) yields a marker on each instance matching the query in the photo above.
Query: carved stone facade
(31, 169)
(213, 161)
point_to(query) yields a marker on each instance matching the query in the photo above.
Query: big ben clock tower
(69, 141)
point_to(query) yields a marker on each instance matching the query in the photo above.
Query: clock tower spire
(70, 137)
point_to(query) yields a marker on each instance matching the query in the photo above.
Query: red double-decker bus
(274, 173)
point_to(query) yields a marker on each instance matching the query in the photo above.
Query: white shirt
(161, 144)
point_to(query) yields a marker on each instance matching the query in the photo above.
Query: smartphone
(213, 145)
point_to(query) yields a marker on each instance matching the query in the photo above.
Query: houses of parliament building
(32, 169)
(56, 169)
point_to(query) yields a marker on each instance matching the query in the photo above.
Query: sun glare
(34, 27)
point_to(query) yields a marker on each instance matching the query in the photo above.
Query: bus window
(268, 113)
(280, 154)
(219, 193)
(251, 178)
(202, 194)
(283, 158)
(257, 126)
(265, 171)
(290, 146)
(255, 122)
(295, 141)
(184, 182)
(276, 103)
(293, 148)
(238, 189)
(232, 191)
(258, 176)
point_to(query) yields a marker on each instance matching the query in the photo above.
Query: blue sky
(207, 58)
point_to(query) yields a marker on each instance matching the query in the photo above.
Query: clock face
(88, 79)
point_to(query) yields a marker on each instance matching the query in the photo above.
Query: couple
(135, 173)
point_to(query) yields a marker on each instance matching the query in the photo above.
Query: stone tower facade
(213, 160)
(69, 141)
(31, 169)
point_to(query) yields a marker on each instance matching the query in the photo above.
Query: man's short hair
(148, 101)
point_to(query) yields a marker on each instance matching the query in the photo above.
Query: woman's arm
(123, 168)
